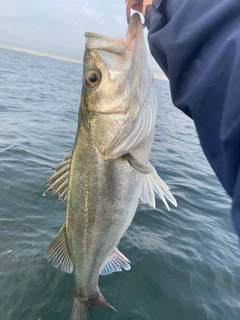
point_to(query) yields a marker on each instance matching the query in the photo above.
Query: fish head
(115, 81)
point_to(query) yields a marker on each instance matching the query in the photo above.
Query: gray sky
(57, 27)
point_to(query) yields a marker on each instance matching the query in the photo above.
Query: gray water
(185, 263)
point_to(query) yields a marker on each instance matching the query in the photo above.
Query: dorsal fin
(59, 180)
(57, 252)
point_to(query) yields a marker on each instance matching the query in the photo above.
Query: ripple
(185, 263)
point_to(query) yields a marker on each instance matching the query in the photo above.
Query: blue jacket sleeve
(197, 44)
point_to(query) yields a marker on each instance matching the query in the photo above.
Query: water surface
(185, 263)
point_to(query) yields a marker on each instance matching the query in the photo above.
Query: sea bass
(108, 170)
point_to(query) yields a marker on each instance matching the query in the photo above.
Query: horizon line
(41, 54)
(52, 56)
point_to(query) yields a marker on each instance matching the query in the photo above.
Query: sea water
(185, 264)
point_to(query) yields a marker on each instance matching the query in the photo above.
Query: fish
(102, 179)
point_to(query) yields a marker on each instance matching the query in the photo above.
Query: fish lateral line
(151, 182)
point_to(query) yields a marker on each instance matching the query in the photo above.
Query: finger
(135, 5)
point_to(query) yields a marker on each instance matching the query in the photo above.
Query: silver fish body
(101, 204)
(109, 170)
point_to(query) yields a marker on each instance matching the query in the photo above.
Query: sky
(57, 27)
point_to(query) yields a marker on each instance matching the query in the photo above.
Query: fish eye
(93, 78)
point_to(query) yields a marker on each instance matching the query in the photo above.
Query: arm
(197, 44)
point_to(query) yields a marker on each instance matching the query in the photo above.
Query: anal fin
(115, 263)
(57, 252)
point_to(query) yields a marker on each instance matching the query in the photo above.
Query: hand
(137, 5)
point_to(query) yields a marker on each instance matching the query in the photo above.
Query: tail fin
(81, 309)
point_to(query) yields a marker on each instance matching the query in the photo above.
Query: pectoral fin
(137, 165)
(153, 183)
(57, 252)
(115, 263)
(59, 180)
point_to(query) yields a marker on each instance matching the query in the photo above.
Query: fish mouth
(135, 30)
(119, 46)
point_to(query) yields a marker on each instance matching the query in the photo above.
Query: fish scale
(108, 170)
